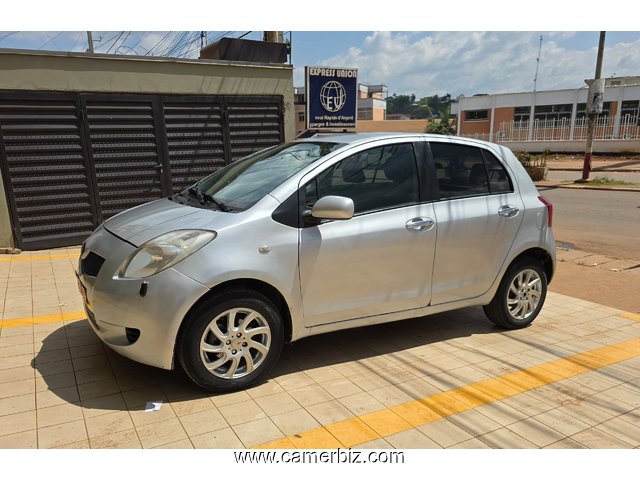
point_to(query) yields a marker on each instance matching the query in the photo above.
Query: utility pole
(535, 79)
(90, 42)
(594, 106)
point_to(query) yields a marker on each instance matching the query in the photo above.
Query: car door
(380, 260)
(478, 214)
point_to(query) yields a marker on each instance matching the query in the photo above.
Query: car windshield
(241, 184)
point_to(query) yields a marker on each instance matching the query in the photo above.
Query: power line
(7, 35)
(51, 40)
(80, 35)
(152, 50)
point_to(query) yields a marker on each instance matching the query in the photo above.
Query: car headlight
(163, 252)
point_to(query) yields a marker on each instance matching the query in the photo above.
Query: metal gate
(71, 160)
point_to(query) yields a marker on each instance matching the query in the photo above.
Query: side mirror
(333, 207)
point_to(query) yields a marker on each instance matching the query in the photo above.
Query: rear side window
(499, 181)
(464, 171)
(375, 179)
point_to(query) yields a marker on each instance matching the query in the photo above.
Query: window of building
(374, 179)
(630, 108)
(365, 114)
(548, 113)
(581, 111)
(521, 114)
(476, 115)
(301, 116)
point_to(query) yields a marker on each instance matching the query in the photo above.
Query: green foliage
(442, 127)
(529, 160)
(427, 107)
(605, 180)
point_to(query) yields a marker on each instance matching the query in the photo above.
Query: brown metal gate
(71, 160)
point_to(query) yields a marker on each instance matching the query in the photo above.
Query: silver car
(322, 234)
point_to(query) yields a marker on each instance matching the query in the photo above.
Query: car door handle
(508, 211)
(419, 224)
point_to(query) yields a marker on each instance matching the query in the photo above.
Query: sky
(480, 47)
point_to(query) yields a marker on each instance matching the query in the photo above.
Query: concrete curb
(599, 170)
(586, 187)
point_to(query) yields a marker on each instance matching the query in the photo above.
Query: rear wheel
(520, 296)
(231, 341)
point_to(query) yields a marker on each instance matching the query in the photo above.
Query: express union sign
(332, 97)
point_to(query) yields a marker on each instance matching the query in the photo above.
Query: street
(598, 221)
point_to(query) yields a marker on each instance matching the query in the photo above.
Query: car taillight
(549, 206)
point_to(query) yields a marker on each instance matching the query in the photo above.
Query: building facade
(556, 117)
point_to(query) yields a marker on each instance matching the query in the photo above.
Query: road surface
(598, 221)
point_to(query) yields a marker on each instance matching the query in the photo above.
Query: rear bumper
(114, 304)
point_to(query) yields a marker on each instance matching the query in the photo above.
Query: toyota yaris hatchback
(323, 234)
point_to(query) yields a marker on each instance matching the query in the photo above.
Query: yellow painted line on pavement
(42, 319)
(33, 258)
(630, 316)
(415, 413)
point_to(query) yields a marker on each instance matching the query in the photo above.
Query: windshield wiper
(205, 198)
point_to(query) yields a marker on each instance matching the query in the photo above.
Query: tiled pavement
(375, 387)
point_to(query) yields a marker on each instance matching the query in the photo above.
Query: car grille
(91, 264)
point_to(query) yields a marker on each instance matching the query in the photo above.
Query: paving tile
(93, 374)
(295, 421)
(269, 387)
(160, 433)
(223, 438)
(64, 413)
(527, 404)
(376, 444)
(595, 438)
(92, 361)
(58, 396)
(471, 443)
(17, 404)
(18, 387)
(15, 350)
(390, 396)
(341, 388)
(310, 395)
(203, 422)
(361, 403)
(123, 439)
(318, 438)
(81, 444)
(98, 389)
(28, 439)
(505, 438)
(329, 412)
(54, 382)
(51, 356)
(53, 368)
(501, 413)
(622, 430)
(257, 432)
(294, 380)
(385, 422)
(351, 432)
(445, 433)
(103, 405)
(180, 444)
(242, 412)
(63, 434)
(411, 439)
(187, 407)
(109, 423)
(225, 399)
(15, 374)
(625, 393)
(565, 443)
(277, 403)
(536, 432)
(558, 420)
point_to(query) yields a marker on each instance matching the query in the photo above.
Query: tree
(442, 127)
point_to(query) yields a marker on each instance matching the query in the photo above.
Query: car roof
(359, 138)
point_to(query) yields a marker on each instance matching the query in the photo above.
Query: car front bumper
(138, 324)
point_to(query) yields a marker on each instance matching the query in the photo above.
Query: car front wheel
(231, 341)
(520, 295)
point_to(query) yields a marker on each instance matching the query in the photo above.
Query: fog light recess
(133, 334)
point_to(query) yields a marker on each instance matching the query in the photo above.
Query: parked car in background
(318, 235)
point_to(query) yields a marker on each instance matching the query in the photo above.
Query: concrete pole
(586, 168)
(90, 42)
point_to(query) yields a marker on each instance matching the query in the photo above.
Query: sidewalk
(452, 380)
(610, 164)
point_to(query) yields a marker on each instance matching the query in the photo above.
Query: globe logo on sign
(333, 96)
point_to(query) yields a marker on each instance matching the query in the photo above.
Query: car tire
(231, 341)
(520, 296)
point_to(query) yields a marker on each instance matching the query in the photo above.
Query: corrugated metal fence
(71, 160)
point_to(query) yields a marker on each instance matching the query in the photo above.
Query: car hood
(140, 224)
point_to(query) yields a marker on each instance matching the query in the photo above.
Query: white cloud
(478, 62)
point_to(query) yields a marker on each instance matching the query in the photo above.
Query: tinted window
(499, 181)
(374, 179)
(460, 170)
